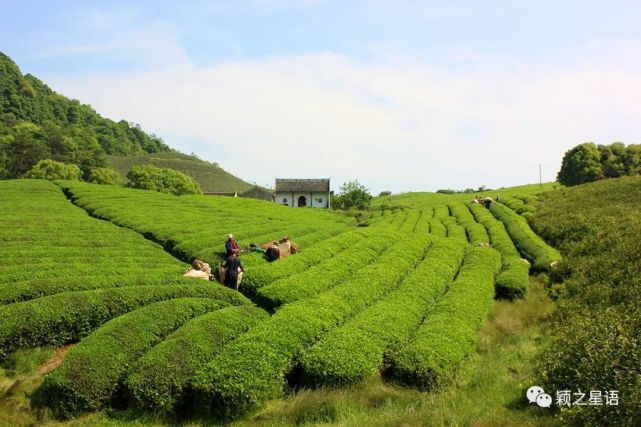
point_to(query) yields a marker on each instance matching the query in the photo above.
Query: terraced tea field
(403, 298)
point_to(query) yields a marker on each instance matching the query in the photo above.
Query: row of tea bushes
(253, 368)
(92, 371)
(514, 278)
(528, 242)
(63, 318)
(325, 274)
(449, 332)
(161, 379)
(357, 348)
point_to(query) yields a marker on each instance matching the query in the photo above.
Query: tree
(50, 169)
(580, 164)
(104, 176)
(163, 180)
(353, 195)
(612, 160)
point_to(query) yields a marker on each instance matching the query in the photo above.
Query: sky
(402, 95)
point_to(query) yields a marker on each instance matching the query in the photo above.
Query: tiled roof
(295, 185)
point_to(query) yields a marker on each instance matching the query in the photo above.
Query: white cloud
(400, 124)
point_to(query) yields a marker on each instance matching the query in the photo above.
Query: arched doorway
(302, 201)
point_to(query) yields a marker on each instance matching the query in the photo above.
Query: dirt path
(54, 361)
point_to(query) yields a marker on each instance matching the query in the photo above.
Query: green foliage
(197, 227)
(596, 327)
(62, 318)
(210, 176)
(580, 164)
(352, 195)
(89, 376)
(512, 281)
(476, 232)
(356, 349)
(529, 244)
(163, 180)
(104, 176)
(161, 379)
(52, 170)
(325, 274)
(589, 162)
(51, 246)
(449, 332)
(43, 124)
(252, 369)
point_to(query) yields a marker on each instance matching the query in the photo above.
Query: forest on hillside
(37, 123)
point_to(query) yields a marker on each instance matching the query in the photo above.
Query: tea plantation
(101, 267)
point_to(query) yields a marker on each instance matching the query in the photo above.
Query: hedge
(161, 379)
(62, 318)
(454, 229)
(437, 228)
(91, 372)
(36, 288)
(191, 226)
(356, 349)
(323, 275)
(252, 369)
(514, 278)
(449, 331)
(529, 243)
(476, 233)
(262, 276)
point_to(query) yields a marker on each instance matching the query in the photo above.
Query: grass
(489, 389)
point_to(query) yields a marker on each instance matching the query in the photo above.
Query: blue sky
(404, 95)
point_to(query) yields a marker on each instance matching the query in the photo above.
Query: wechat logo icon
(536, 394)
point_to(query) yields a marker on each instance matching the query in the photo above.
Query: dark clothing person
(488, 202)
(273, 253)
(232, 265)
(231, 247)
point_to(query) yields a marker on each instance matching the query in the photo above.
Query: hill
(210, 176)
(596, 330)
(37, 123)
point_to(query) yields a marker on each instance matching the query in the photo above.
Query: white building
(300, 193)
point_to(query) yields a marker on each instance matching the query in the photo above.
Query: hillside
(596, 331)
(37, 123)
(333, 309)
(210, 176)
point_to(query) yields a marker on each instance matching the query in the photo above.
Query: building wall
(314, 199)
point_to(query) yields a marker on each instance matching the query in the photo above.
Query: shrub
(89, 376)
(252, 369)
(449, 332)
(51, 170)
(532, 246)
(476, 233)
(162, 377)
(163, 180)
(437, 228)
(264, 275)
(105, 176)
(323, 275)
(62, 318)
(514, 278)
(596, 343)
(356, 349)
